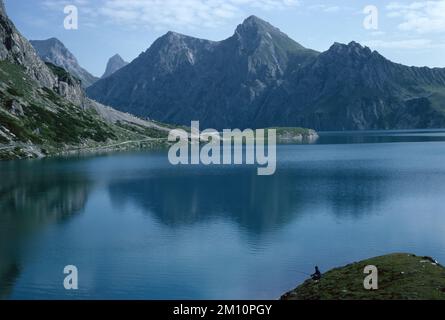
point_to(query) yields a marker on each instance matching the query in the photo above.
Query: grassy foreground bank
(401, 277)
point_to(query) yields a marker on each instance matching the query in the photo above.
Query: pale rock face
(72, 93)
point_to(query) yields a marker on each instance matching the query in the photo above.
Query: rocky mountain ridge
(259, 77)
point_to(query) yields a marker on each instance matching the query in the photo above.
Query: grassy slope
(51, 122)
(401, 277)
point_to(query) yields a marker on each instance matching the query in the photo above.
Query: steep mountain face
(180, 78)
(114, 64)
(349, 87)
(260, 77)
(16, 49)
(44, 111)
(55, 52)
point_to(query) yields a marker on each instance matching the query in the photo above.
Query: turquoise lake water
(137, 227)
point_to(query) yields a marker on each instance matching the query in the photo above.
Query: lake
(137, 227)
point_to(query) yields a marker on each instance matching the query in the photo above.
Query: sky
(411, 32)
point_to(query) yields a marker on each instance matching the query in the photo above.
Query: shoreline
(401, 276)
(29, 152)
(22, 151)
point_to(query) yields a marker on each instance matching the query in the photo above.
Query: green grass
(15, 127)
(3, 140)
(401, 277)
(67, 127)
(144, 131)
(15, 78)
(49, 119)
(51, 95)
(15, 92)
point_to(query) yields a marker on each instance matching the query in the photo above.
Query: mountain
(114, 64)
(54, 51)
(350, 87)
(44, 110)
(181, 78)
(16, 49)
(260, 77)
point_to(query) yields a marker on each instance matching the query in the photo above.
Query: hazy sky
(409, 31)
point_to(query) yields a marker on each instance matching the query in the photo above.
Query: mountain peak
(54, 41)
(353, 48)
(54, 51)
(254, 24)
(254, 19)
(174, 38)
(115, 63)
(255, 33)
(175, 35)
(116, 57)
(50, 47)
(260, 78)
(357, 46)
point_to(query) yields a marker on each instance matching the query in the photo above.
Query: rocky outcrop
(15, 108)
(68, 86)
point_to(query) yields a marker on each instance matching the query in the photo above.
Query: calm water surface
(138, 228)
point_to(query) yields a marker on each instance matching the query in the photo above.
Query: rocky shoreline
(18, 151)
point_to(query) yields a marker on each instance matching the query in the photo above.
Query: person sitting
(317, 275)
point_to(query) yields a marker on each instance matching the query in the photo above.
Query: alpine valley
(44, 109)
